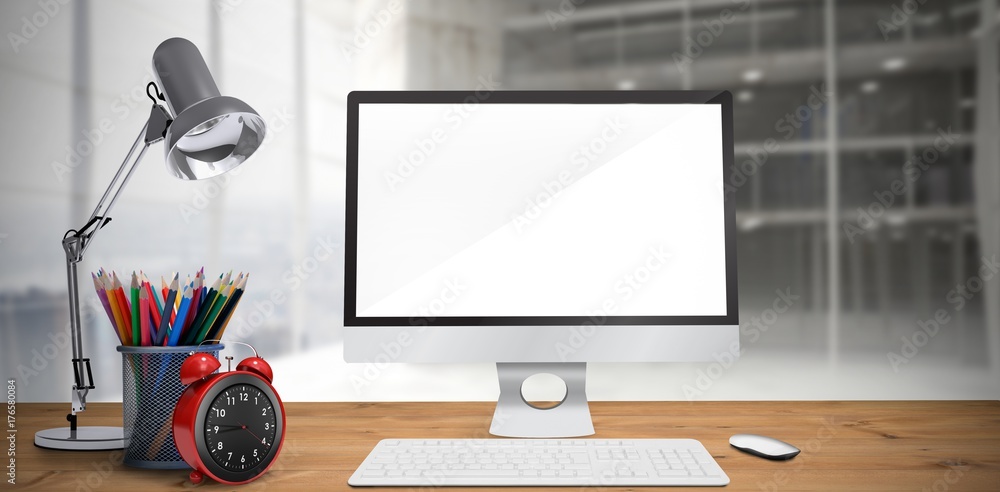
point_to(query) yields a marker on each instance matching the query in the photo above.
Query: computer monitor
(540, 230)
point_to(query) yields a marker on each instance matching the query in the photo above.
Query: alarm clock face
(240, 427)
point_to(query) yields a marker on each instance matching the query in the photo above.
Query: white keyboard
(519, 462)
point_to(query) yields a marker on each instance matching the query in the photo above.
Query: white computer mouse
(765, 447)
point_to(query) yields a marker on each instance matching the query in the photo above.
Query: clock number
(216, 429)
(220, 446)
(255, 453)
(267, 426)
(244, 397)
(230, 457)
(220, 412)
(255, 400)
(243, 458)
(263, 411)
(263, 441)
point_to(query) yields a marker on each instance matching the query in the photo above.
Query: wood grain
(886, 445)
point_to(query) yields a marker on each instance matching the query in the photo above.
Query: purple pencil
(101, 293)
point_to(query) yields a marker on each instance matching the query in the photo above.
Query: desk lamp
(208, 135)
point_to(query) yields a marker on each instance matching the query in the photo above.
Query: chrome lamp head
(210, 133)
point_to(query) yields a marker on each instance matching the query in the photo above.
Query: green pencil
(220, 301)
(206, 308)
(227, 312)
(136, 320)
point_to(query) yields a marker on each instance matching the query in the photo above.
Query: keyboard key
(672, 473)
(479, 473)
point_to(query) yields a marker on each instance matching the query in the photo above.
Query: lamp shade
(210, 133)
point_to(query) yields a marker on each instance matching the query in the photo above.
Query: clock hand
(252, 434)
(228, 428)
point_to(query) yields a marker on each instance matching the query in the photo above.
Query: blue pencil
(182, 311)
(168, 309)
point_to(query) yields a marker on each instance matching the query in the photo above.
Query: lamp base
(83, 439)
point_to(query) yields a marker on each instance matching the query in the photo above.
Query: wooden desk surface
(891, 445)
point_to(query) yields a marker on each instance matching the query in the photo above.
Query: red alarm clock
(228, 425)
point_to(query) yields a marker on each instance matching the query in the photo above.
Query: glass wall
(866, 263)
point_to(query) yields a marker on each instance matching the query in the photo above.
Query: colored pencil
(168, 309)
(223, 321)
(210, 299)
(173, 305)
(178, 329)
(113, 300)
(123, 306)
(227, 292)
(103, 295)
(155, 308)
(144, 336)
(234, 285)
(109, 290)
(136, 322)
(177, 301)
(199, 336)
(204, 288)
(204, 308)
(195, 302)
(155, 303)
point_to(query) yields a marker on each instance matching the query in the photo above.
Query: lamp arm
(152, 132)
(128, 157)
(76, 242)
(104, 219)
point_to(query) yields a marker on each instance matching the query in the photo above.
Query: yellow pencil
(177, 302)
(234, 285)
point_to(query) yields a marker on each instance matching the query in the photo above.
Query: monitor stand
(515, 417)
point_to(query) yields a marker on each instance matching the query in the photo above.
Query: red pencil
(163, 287)
(153, 313)
(123, 303)
(195, 301)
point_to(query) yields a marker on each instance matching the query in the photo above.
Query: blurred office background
(849, 91)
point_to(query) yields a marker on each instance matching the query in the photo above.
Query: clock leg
(196, 477)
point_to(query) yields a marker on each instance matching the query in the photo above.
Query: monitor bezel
(356, 98)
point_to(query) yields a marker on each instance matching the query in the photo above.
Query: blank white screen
(540, 210)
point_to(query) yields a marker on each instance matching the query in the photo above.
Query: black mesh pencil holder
(151, 386)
